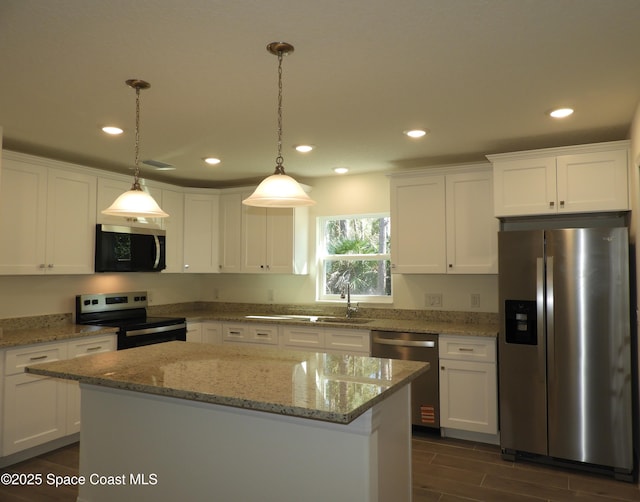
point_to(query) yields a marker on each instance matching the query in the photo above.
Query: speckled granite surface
(27, 336)
(49, 328)
(333, 388)
(439, 322)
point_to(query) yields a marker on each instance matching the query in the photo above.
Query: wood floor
(449, 470)
(444, 470)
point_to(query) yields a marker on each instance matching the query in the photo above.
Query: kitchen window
(354, 250)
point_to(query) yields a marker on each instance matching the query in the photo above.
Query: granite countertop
(56, 327)
(328, 387)
(27, 336)
(381, 324)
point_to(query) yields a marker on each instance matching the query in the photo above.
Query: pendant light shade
(136, 203)
(279, 189)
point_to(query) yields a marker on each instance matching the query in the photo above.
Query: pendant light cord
(279, 159)
(136, 172)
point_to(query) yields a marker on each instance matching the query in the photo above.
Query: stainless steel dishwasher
(425, 409)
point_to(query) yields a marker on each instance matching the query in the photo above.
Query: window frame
(322, 255)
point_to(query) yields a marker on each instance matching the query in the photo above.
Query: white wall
(29, 295)
(340, 195)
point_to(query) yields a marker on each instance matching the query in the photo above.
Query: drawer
(235, 333)
(303, 338)
(267, 334)
(92, 345)
(16, 359)
(348, 340)
(467, 348)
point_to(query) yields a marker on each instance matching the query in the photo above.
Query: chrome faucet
(350, 310)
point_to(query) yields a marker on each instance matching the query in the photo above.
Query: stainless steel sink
(344, 320)
(310, 318)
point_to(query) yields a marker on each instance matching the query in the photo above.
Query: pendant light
(279, 189)
(136, 203)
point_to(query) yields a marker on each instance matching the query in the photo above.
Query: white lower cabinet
(468, 384)
(351, 341)
(194, 332)
(258, 334)
(301, 337)
(212, 333)
(319, 339)
(79, 348)
(38, 409)
(35, 408)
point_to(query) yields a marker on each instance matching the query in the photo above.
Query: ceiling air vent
(159, 166)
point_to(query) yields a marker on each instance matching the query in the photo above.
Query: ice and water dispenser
(521, 322)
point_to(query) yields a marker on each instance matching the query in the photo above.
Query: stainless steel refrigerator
(564, 347)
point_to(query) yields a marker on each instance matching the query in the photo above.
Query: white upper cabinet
(442, 222)
(173, 204)
(230, 232)
(418, 224)
(472, 231)
(200, 232)
(589, 178)
(47, 217)
(274, 240)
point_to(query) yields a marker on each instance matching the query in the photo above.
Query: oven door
(139, 337)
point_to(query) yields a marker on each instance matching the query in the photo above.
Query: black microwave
(129, 249)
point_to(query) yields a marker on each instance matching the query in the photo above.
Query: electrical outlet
(433, 300)
(475, 300)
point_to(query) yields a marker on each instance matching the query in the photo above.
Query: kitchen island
(188, 421)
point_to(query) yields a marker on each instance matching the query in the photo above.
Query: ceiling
(479, 74)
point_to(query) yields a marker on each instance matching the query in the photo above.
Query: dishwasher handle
(404, 343)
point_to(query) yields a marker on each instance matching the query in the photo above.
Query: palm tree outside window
(354, 250)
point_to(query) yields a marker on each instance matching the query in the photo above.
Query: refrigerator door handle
(550, 322)
(540, 307)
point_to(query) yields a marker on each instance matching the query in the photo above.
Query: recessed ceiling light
(561, 113)
(416, 133)
(212, 161)
(340, 170)
(304, 148)
(112, 130)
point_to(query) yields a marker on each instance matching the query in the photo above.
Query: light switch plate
(433, 300)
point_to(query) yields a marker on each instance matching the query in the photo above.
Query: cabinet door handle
(38, 358)
(91, 349)
(442, 368)
(552, 204)
(561, 203)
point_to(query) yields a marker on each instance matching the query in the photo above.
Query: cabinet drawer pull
(262, 334)
(234, 332)
(90, 349)
(38, 358)
(465, 349)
